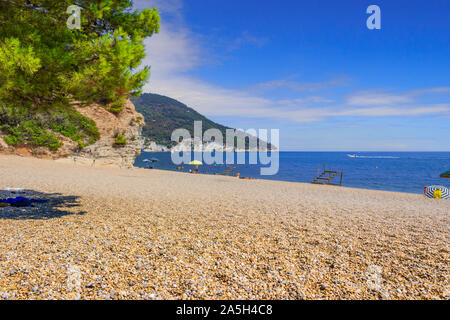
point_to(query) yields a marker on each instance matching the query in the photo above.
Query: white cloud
(171, 7)
(247, 39)
(171, 53)
(436, 90)
(396, 111)
(176, 50)
(300, 86)
(378, 99)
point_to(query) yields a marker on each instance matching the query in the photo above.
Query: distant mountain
(163, 115)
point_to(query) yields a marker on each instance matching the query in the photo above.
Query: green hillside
(163, 115)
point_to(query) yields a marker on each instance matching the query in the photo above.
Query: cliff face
(105, 152)
(154, 147)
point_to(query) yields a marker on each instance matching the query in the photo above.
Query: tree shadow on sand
(56, 205)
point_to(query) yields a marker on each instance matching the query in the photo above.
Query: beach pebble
(108, 233)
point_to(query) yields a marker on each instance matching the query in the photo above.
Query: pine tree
(43, 63)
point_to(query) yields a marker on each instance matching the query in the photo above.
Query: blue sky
(311, 69)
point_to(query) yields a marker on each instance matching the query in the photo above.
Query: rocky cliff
(152, 146)
(106, 151)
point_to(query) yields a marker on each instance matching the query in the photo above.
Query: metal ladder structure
(327, 176)
(228, 171)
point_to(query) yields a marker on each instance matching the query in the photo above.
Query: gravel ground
(148, 234)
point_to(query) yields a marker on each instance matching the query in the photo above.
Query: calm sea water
(391, 171)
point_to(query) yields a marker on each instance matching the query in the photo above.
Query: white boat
(352, 156)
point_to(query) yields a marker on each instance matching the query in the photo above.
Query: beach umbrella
(445, 174)
(196, 163)
(429, 192)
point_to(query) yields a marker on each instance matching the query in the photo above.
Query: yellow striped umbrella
(195, 163)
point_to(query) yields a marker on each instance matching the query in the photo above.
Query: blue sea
(392, 171)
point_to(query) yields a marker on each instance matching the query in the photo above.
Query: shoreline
(88, 164)
(109, 233)
(372, 172)
(285, 181)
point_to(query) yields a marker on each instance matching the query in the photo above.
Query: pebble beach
(111, 233)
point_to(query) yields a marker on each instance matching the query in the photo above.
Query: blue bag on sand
(22, 202)
(19, 202)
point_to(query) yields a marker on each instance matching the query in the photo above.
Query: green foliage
(17, 65)
(29, 132)
(116, 108)
(31, 126)
(12, 140)
(45, 65)
(43, 62)
(120, 140)
(73, 125)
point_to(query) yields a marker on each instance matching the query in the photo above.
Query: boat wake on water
(371, 157)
